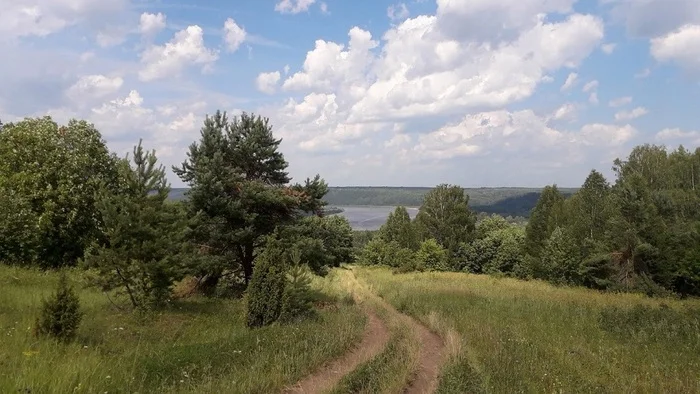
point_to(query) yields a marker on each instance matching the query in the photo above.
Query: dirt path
(373, 342)
(431, 353)
(431, 356)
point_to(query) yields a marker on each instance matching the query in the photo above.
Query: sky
(477, 93)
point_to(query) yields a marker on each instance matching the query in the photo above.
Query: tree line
(638, 233)
(505, 201)
(66, 200)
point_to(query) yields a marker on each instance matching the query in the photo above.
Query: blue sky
(412, 93)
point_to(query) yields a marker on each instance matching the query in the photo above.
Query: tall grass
(198, 345)
(533, 337)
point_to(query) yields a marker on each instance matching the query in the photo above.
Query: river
(370, 218)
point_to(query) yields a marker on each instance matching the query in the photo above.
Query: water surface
(370, 218)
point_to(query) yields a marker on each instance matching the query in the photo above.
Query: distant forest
(506, 201)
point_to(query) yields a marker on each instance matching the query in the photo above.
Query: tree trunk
(247, 260)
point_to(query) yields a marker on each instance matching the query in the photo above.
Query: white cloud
(184, 49)
(681, 46)
(42, 18)
(590, 86)
(593, 98)
(397, 12)
(422, 73)
(566, 111)
(620, 101)
(286, 69)
(633, 114)
(294, 6)
(324, 7)
(605, 135)
(234, 35)
(329, 65)
(267, 82)
(570, 82)
(91, 87)
(151, 24)
(676, 134)
(608, 48)
(514, 133)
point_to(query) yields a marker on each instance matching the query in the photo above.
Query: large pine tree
(240, 193)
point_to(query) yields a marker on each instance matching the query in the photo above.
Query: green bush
(432, 256)
(267, 286)
(60, 314)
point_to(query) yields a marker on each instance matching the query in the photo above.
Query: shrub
(60, 314)
(432, 256)
(267, 286)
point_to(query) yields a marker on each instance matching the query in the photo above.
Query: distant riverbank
(370, 217)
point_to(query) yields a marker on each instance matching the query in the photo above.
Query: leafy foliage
(445, 216)
(60, 314)
(399, 228)
(49, 176)
(432, 256)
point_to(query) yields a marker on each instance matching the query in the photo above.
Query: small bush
(60, 314)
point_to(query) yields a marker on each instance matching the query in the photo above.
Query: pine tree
(140, 251)
(60, 314)
(239, 192)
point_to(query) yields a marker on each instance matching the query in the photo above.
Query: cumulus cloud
(570, 82)
(151, 24)
(91, 87)
(676, 134)
(681, 46)
(184, 49)
(643, 74)
(234, 35)
(633, 114)
(296, 6)
(566, 111)
(267, 82)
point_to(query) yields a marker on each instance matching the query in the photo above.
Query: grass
(390, 370)
(198, 345)
(516, 336)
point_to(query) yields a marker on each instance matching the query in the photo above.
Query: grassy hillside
(198, 345)
(513, 201)
(515, 336)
